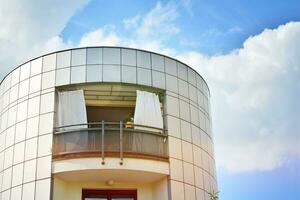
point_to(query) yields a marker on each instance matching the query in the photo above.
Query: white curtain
(71, 109)
(147, 110)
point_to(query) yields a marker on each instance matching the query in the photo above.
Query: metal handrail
(111, 126)
(107, 123)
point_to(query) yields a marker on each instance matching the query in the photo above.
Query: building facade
(105, 123)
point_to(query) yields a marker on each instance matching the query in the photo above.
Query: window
(109, 194)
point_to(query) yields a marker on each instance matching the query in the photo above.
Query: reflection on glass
(94, 56)
(63, 59)
(111, 56)
(78, 57)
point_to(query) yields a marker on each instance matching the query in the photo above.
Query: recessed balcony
(110, 139)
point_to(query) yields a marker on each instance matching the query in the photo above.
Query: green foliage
(214, 195)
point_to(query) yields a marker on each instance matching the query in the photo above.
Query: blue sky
(248, 51)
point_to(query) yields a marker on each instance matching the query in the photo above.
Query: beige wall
(71, 190)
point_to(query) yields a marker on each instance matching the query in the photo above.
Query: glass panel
(183, 88)
(44, 167)
(43, 189)
(7, 177)
(48, 80)
(47, 103)
(23, 88)
(78, 74)
(128, 74)
(15, 76)
(33, 106)
(63, 59)
(12, 114)
(171, 67)
(32, 127)
(35, 84)
(10, 136)
(16, 193)
(185, 130)
(28, 191)
(77, 141)
(46, 123)
(184, 110)
(182, 71)
(78, 57)
(193, 93)
(14, 93)
(19, 152)
(111, 56)
(111, 73)
(144, 76)
(158, 62)
(94, 73)
(20, 131)
(192, 76)
(63, 77)
(49, 62)
(143, 59)
(128, 57)
(159, 79)
(22, 111)
(45, 145)
(172, 83)
(25, 71)
(31, 148)
(29, 171)
(36, 67)
(94, 56)
(17, 175)
(138, 142)
(8, 157)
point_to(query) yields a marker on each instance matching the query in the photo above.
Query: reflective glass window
(144, 76)
(63, 59)
(143, 59)
(62, 77)
(49, 62)
(78, 74)
(128, 74)
(94, 73)
(94, 56)
(111, 73)
(158, 62)
(78, 57)
(111, 56)
(128, 57)
(36, 67)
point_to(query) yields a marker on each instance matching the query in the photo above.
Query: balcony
(109, 139)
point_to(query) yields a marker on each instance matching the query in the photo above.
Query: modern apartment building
(105, 123)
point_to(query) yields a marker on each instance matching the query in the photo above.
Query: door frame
(109, 193)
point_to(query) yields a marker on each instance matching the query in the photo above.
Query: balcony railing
(113, 139)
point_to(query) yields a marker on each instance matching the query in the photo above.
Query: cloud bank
(254, 89)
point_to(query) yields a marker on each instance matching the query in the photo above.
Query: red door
(92, 194)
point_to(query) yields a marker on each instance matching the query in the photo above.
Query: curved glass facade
(27, 113)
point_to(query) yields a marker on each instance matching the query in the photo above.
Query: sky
(248, 52)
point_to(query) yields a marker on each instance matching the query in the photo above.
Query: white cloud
(29, 28)
(255, 99)
(105, 36)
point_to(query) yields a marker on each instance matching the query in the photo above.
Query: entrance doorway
(92, 194)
